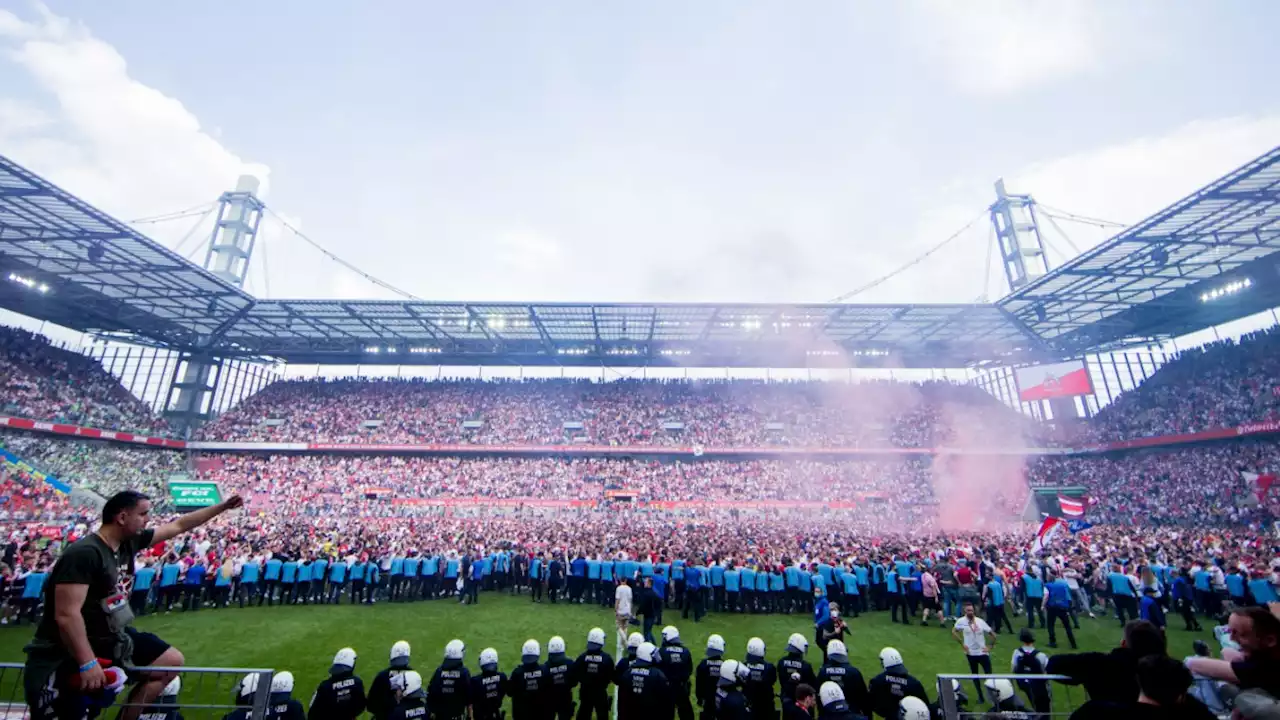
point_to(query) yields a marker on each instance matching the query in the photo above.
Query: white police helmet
(634, 640)
(913, 708)
(454, 650)
(830, 693)
(729, 670)
(595, 637)
(400, 654)
(715, 644)
(248, 685)
(670, 634)
(555, 645)
(835, 648)
(890, 657)
(531, 648)
(1002, 689)
(647, 652)
(797, 643)
(755, 647)
(282, 682)
(407, 682)
(488, 656)
(174, 687)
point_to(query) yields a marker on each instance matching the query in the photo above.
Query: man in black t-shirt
(87, 617)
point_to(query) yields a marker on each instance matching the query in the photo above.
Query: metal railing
(1059, 702)
(206, 694)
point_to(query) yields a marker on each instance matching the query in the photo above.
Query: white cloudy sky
(718, 150)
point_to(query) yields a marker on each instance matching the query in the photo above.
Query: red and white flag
(1261, 483)
(1071, 507)
(1047, 530)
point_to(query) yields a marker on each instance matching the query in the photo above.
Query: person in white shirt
(622, 606)
(977, 638)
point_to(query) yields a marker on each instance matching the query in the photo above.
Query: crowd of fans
(44, 382)
(735, 413)
(103, 467)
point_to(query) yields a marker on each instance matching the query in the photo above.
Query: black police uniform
(283, 707)
(793, 670)
(487, 691)
(449, 691)
(381, 698)
(593, 673)
(560, 671)
(156, 712)
(758, 687)
(849, 678)
(705, 679)
(528, 689)
(620, 672)
(645, 694)
(338, 697)
(731, 704)
(839, 710)
(888, 688)
(677, 664)
(411, 708)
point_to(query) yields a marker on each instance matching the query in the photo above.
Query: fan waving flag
(1261, 483)
(1076, 526)
(1047, 530)
(1071, 507)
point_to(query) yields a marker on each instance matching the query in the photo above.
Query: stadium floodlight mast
(1229, 289)
(29, 283)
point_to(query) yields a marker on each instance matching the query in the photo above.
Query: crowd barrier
(1064, 699)
(207, 693)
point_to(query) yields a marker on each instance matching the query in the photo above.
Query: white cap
(282, 682)
(646, 651)
(670, 633)
(634, 640)
(797, 643)
(890, 657)
(400, 654)
(1002, 689)
(830, 693)
(755, 646)
(488, 656)
(531, 647)
(729, 670)
(248, 684)
(407, 682)
(454, 650)
(837, 648)
(345, 656)
(555, 645)
(595, 637)
(913, 708)
(715, 642)
(174, 687)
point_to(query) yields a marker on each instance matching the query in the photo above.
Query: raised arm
(193, 520)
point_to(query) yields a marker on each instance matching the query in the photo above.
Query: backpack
(1027, 664)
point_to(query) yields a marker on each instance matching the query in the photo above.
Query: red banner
(86, 432)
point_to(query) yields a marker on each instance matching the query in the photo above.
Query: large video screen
(1057, 380)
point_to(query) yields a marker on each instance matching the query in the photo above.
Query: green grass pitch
(304, 639)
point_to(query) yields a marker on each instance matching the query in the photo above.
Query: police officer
(560, 674)
(838, 670)
(645, 694)
(411, 702)
(449, 691)
(889, 687)
(913, 708)
(730, 703)
(834, 705)
(488, 688)
(1005, 702)
(634, 640)
(529, 684)
(341, 695)
(593, 673)
(166, 706)
(244, 695)
(281, 705)
(382, 699)
(793, 669)
(706, 678)
(677, 664)
(761, 677)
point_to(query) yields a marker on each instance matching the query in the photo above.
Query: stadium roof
(75, 266)
(1148, 281)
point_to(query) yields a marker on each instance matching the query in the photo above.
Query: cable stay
(909, 264)
(380, 283)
